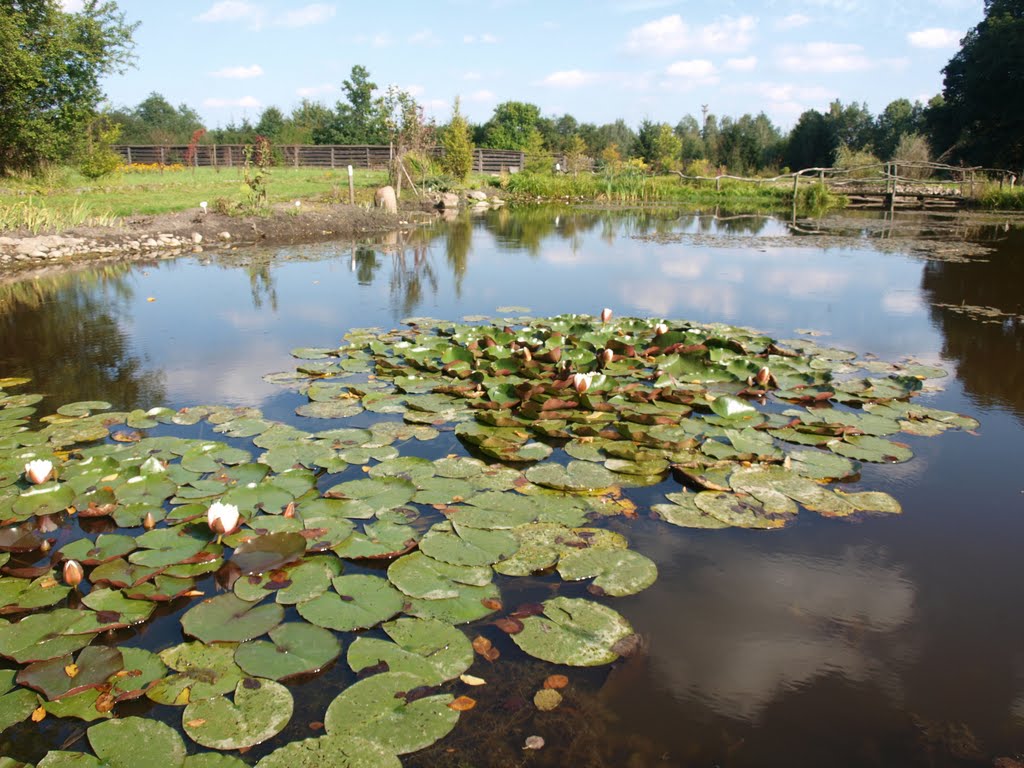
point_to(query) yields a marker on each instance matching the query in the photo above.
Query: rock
(385, 198)
(151, 243)
(225, 235)
(196, 238)
(449, 200)
(476, 194)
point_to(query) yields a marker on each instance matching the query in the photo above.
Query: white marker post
(351, 188)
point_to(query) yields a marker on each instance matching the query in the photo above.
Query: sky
(597, 60)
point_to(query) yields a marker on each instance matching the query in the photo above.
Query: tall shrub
(458, 146)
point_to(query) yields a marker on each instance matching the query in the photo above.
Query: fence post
(351, 188)
(895, 176)
(718, 183)
(332, 156)
(129, 155)
(163, 156)
(796, 183)
(367, 155)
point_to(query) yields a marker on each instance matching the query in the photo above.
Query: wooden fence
(304, 156)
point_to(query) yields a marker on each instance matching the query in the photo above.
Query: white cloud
(746, 64)
(697, 69)
(414, 90)
(381, 41)
(570, 78)
(671, 34)
(934, 37)
(469, 39)
(247, 102)
(309, 91)
(472, 76)
(229, 10)
(824, 57)
(72, 6)
(424, 37)
(792, 21)
(488, 39)
(482, 95)
(239, 73)
(307, 16)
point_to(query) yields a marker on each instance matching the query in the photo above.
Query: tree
(538, 159)
(688, 131)
(51, 64)
(983, 87)
(666, 149)
(306, 120)
(271, 124)
(359, 119)
(512, 125)
(810, 142)
(898, 119)
(156, 121)
(458, 146)
(851, 126)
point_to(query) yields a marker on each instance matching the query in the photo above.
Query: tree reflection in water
(66, 333)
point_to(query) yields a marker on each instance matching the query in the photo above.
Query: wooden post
(367, 156)
(821, 176)
(796, 183)
(972, 183)
(718, 183)
(351, 188)
(295, 149)
(163, 156)
(214, 155)
(332, 156)
(892, 198)
(129, 155)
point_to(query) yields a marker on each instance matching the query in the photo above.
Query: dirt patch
(174, 233)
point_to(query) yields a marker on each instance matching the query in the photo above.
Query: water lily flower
(73, 573)
(222, 518)
(660, 328)
(148, 522)
(582, 381)
(203, 206)
(606, 315)
(763, 376)
(38, 471)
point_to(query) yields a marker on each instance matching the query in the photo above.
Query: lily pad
(616, 572)
(418, 575)
(16, 704)
(229, 619)
(379, 709)
(117, 744)
(260, 710)
(577, 477)
(203, 671)
(462, 545)
(266, 553)
(432, 650)
(579, 633)
(357, 602)
(91, 670)
(338, 752)
(294, 649)
(43, 636)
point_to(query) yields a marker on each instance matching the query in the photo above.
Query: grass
(995, 199)
(63, 199)
(638, 188)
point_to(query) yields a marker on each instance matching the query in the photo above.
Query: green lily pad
(357, 602)
(43, 636)
(82, 706)
(117, 743)
(118, 610)
(203, 671)
(739, 510)
(577, 477)
(92, 668)
(83, 408)
(267, 553)
(295, 584)
(295, 649)
(16, 704)
(260, 710)
(418, 575)
(542, 544)
(381, 540)
(46, 499)
(56, 758)
(868, 448)
(684, 512)
(107, 546)
(432, 650)
(471, 604)
(377, 709)
(338, 752)
(166, 546)
(141, 669)
(462, 545)
(616, 572)
(579, 633)
(377, 493)
(229, 619)
(19, 595)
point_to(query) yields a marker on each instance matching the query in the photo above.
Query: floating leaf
(357, 602)
(462, 545)
(260, 710)
(377, 709)
(432, 650)
(227, 618)
(577, 477)
(53, 680)
(338, 752)
(547, 699)
(16, 704)
(267, 553)
(294, 649)
(579, 633)
(418, 575)
(203, 672)
(117, 742)
(616, 572)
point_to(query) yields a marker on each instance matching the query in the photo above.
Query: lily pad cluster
(556, 419)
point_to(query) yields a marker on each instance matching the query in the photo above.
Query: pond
(873, 639)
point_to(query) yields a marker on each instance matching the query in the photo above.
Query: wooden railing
(485, 160)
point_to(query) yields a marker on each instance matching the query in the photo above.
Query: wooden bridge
(889, 185)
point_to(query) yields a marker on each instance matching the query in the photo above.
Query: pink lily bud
(148, 522)
(73, 573)
(38, 471)
(606, 315)
(582, 381)
(607, 356)
(763, 376)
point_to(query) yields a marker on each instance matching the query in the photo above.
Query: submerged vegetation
(301, 542)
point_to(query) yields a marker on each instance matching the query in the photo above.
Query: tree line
(48, 107)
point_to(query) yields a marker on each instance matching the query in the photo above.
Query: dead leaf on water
(547, 699)
(38, 714)
(462, 704)
(556, 681)
(472, 680)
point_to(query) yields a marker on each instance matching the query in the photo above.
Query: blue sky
(597, 60)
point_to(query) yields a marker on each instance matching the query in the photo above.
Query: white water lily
(660, 328)
(582, 381)
(607, 356)
(222, 518)
(38, 471)
(606, 315)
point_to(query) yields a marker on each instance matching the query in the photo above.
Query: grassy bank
(64, 199)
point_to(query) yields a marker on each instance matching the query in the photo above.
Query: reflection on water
(879, 642)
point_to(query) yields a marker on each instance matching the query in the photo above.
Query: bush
(913, 148)
(457, 160)
(861, 163)
(98, 159)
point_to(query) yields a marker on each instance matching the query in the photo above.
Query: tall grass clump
(1006, 199)
(35, 217)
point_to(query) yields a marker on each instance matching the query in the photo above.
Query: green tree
(51, 64)
(272, 124)
(538, 159)
(898, 119)
(666, 149)
(458, 146)
(307, 120)
(154, 120)
(810, 142)
(688, 131)
(358, 119)
(983, 87)
(512, 125)
(617, 133)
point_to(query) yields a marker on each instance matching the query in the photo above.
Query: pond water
(875, 641)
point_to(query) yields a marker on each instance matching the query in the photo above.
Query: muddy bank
(171, 234)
